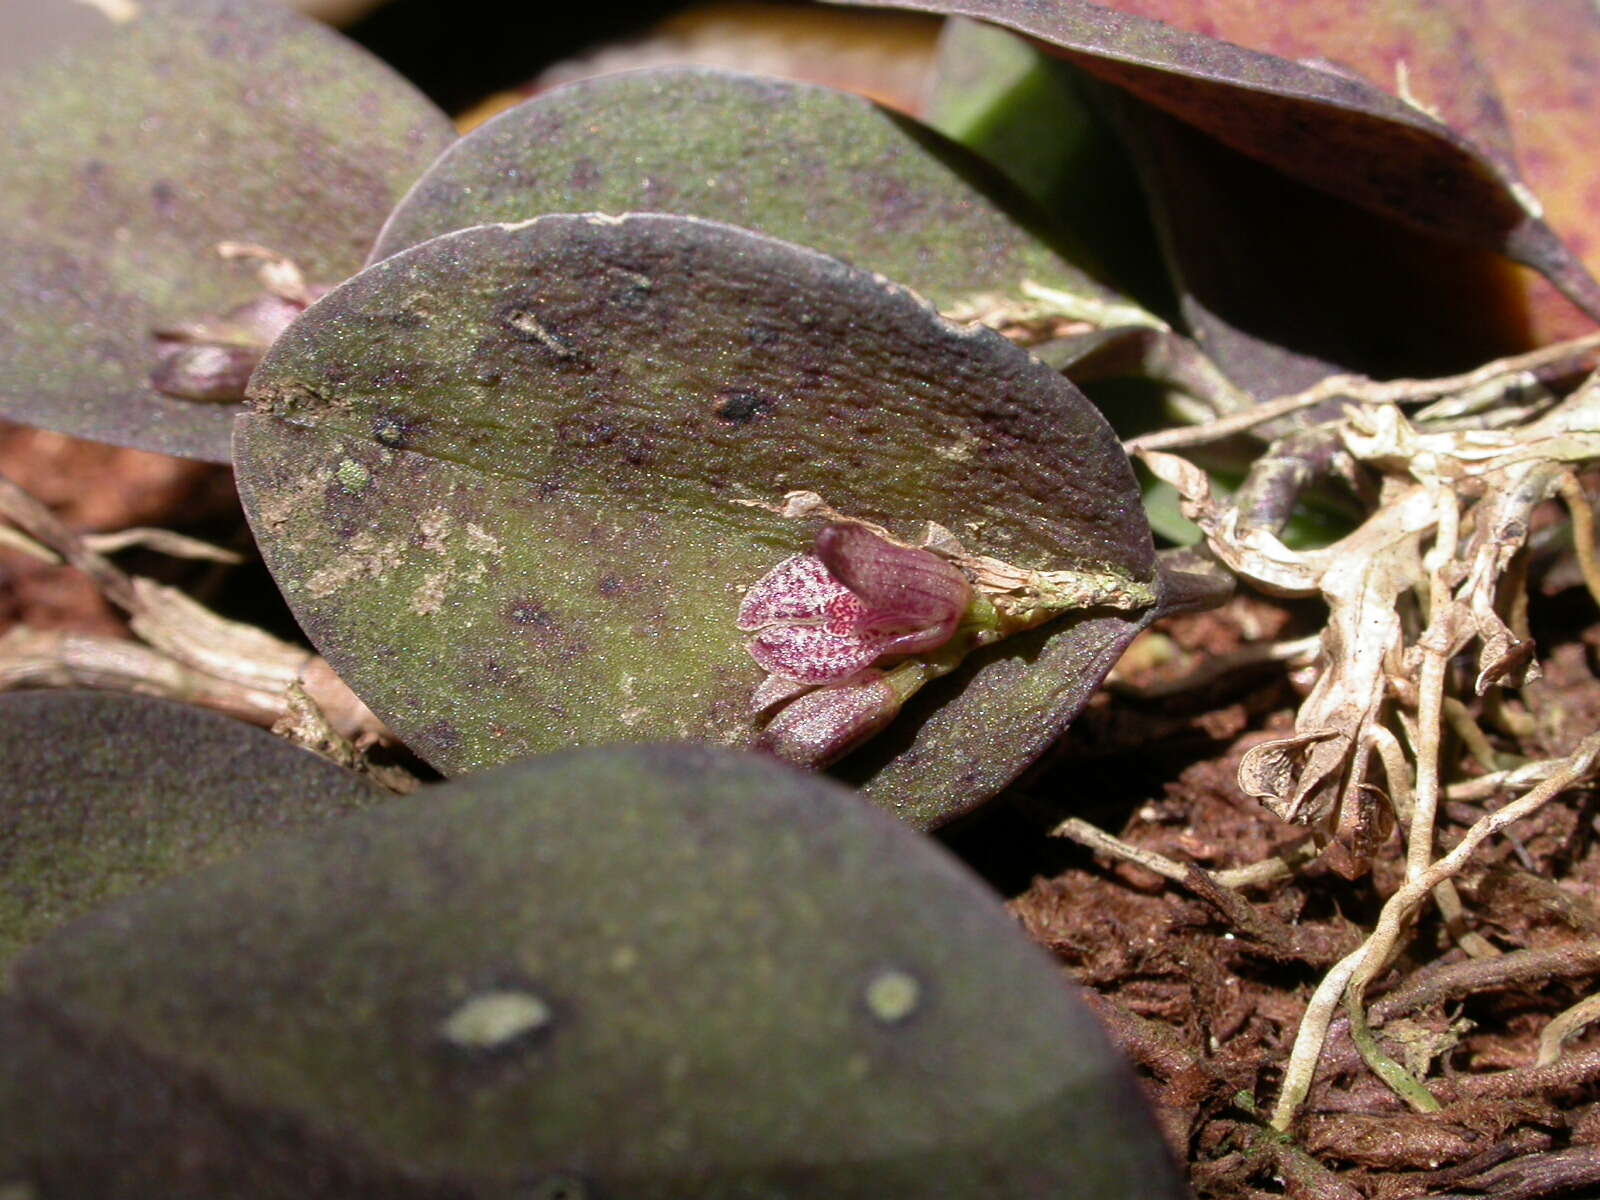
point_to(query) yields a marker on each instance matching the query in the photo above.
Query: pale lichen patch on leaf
(366, 557)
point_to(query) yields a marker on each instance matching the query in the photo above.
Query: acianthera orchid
(826, 622)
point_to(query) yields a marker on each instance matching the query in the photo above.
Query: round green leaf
(514, 482)
(105, 794)
(816, 166)
(646, 973)
(136, 147)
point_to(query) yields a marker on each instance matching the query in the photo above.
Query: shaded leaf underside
(1326, 127)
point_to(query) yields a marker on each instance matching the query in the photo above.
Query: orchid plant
(849, 632)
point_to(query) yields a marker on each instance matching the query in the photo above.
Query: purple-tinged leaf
(104, 794)
(1331, 287)
(713, 976)
(515, 481)
(130, 151)
(1324, 125)
(819, 167)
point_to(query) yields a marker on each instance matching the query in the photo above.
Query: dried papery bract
(1432, 572)
(211, 359)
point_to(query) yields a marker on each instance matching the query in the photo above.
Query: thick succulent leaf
(823, 168)
(1322, 124)
(653, 973)
(131, 151)
(105, 793)
(512, 483)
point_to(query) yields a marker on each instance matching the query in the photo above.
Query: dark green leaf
(104, 794)
(511, 483)
(644, 973)
(1033, 117)
(129, 153)
(815, 166)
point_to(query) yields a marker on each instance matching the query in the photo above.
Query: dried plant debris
(1437, 783)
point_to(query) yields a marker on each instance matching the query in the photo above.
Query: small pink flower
(821, 618)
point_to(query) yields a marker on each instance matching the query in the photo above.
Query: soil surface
(1207, 995)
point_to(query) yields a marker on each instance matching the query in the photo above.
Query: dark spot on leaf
(163, 196)
(762, 332)
(585, 431)
(593, 432)
(399, 377)
(95, 177)
(405, 318)
(740, 408)
(389, 430)
(584, 175)
(441, 734)
(527, 611)
(614, 585)
(895, 204)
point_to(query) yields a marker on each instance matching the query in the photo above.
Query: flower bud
(212, 373)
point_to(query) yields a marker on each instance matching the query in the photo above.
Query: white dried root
(1432, 572)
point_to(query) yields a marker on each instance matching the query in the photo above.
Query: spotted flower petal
(796, 591)
(821, 618)
(812, 655)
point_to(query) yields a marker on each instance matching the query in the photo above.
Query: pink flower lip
(822, 618)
